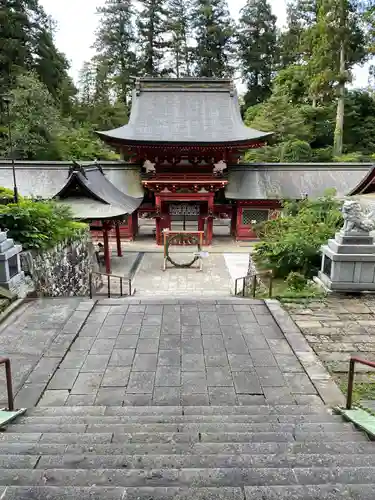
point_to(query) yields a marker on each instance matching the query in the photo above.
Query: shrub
(38, 224)
(292, 242)
(7, 196)
(296, 281)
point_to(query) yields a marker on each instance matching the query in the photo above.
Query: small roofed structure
(92, 197)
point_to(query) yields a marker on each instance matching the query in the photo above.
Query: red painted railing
(352, 362)
(8, 375)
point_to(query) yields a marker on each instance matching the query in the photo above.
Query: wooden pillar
(233, 222)
(107, 257)
(158, 220)
(134, 217)
(200, 223)
(210, 219)
(238, 217)
(118, 239)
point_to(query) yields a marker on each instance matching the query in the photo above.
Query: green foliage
(152, 26)
(39, 130)
(35, 120)
(81, 144)
(213, 30)
(39, 225)
(292, 242)
(257, 49)
(280, 116)
(293, 151)
(179, 29)
(114, 43)
(7, 196)
(295, 281)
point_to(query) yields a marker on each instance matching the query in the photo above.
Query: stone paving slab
(337, 328)
(151, 280)
(36, 337)
(171, 353)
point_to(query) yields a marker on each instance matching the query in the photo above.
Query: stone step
(28, 447)
(71, 437)
(180, 419)
(106, 447)
(179, 410)
(184, 461)
(217, 477)
(71, 461)
(315, 492)
(310, 492)
(113, 493)
(68, 425)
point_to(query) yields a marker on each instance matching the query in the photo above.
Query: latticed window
(251, 216)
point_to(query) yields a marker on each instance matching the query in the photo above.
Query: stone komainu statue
(355, 219)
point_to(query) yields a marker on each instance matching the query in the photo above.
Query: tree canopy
(296, 81)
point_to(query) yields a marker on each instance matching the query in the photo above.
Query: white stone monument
(348, 261)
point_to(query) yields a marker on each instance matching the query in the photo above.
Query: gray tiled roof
(278, 181)
(184, 111)
(46, 179)
(84, 208)
(95, 189)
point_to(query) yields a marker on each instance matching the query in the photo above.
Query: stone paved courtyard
(217, 277)
(151, 279)
(337, 328)
(190, 353)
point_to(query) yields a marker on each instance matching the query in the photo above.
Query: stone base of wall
(62, 271)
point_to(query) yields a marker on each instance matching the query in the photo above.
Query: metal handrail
(254, 283)
(352, 362)
(8, 376)
(109, 276)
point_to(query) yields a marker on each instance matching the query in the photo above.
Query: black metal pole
(349, 395)
(15, 189)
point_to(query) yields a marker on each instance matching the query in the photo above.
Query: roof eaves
(79, 179)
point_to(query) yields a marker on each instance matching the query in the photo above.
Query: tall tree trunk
(339, 129)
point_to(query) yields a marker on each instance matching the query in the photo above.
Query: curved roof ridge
(175, 116)
(97, 186)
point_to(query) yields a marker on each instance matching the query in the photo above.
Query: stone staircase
(253, 452)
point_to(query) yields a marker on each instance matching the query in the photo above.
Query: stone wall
(62, 271)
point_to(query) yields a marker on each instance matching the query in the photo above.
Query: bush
(296, 281)
(39, 225)
(7, 196)
(292, 242)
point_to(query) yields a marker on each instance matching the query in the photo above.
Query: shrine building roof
(184, 111)
(90, 195)
(112, 190)
(294, 180)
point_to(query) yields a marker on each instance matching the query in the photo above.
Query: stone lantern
(10, 265)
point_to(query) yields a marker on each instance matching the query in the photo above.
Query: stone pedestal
(348, 262)
(10, 266)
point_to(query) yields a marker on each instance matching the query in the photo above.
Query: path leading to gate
(217, 278)
(208, 352)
